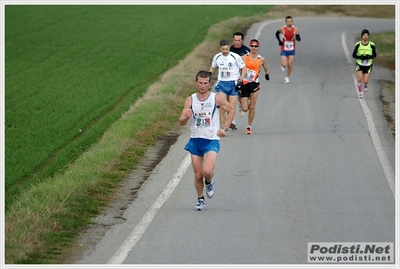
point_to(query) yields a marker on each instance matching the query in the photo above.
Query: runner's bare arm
(226, 106)
(265, 66)
(186, 112)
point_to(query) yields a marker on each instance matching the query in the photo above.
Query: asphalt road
(318, 168)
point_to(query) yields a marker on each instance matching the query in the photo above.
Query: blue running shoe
(200, 204)
(210, 190)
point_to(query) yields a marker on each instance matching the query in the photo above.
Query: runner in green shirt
(364, 53)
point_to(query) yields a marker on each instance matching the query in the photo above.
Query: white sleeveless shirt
(205, 117)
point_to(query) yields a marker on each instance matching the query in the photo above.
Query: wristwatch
(225, 129)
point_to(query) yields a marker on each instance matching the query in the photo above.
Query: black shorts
(249, 88)
(366, 69)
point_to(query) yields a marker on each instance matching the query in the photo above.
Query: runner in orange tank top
(251, 83)
(287, 36)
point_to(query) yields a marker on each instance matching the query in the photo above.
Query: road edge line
(387, 168)
(130, 242)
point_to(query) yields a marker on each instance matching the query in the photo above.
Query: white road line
(144, 223)
(371, 125)
(262, 26)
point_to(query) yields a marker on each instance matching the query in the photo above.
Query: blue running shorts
(288, 53)
(227, 87)
(200, 146)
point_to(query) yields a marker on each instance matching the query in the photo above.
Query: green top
(364, 54)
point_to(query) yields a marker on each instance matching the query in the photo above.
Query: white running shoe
(287, 81)
(365, 88)
(241, 112)
(360, 95)
(282, 68)
(249, 131)
(200, 204)
(210, 190)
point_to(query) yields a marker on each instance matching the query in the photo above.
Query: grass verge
(385, 45)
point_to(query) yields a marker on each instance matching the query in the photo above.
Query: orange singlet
(253, 69)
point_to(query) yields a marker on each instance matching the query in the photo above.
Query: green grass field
(71, 71)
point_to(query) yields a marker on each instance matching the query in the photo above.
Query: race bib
(365, 62)
(250, 75)
(203, 120)
(289, 45)
(225, 73)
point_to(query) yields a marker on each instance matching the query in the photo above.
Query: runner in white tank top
(202, 109)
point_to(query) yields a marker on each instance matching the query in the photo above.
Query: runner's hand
(239, 85)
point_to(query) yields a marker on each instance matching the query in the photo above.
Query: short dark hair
(223, 42)
(365, 31)
(238, 33)
(203, 74)
(288, 17)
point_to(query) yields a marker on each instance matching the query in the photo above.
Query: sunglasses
(254, 46)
